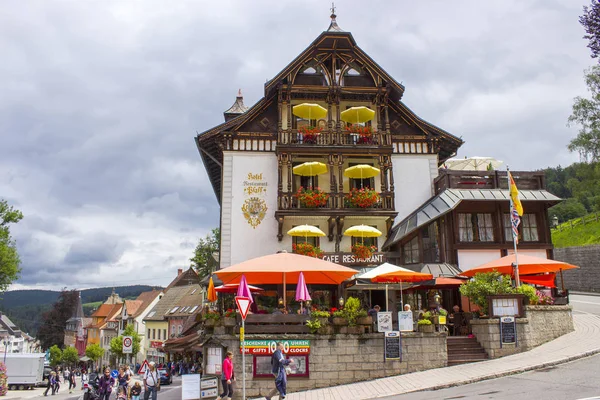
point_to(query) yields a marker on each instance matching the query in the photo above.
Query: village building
(133, 313)
(427, 214)
(182, 298)
(104, 325)
(13, 340)
(76, 329)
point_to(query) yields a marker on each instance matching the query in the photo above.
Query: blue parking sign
(114, 373)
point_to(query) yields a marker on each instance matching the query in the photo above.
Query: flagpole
(510, 212)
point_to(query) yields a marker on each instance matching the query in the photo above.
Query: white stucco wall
(240, 241)
(468, 259)
(541, 253)
(413, 179)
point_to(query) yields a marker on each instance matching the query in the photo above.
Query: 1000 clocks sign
(268, 347)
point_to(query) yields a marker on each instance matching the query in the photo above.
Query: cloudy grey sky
(100, 100)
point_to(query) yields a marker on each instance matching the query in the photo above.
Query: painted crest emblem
(254, 210)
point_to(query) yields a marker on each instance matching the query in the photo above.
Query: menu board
(405, 321)
(384, 321)
(393, 346)
(190, 387)
(508, 330)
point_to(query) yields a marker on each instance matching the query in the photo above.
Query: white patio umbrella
(384, 268)
(473, 164)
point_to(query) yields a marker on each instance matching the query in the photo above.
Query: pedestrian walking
(51, 381)
(56, 383)
(151, 381)
(84, 378)
(72, 383)
(123, 379)
(278, 364)
(228, 377)
(105, 385)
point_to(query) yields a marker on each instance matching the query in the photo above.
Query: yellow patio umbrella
(306, 231)
(361, 172)
(309, 111)
(211, 292)
(311, 168)
(357, 115)
(362, 231)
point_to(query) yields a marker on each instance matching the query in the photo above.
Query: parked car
(165, 376)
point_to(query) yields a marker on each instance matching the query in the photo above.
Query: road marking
(584, 302)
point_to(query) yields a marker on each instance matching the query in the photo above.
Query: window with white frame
(475, 227)
(528, 228)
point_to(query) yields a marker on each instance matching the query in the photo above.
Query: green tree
(94, 352)
(52, 330)
(203, 260)
(591, 22)
(116, 344)
(9, 257)
(55, 355)
(569, 209)
(70, 356)
(586, 114)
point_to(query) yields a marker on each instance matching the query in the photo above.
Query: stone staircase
(462, 350)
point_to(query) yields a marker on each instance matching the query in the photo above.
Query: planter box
(228, 321)
(364, 320)
(351, 330)
(323, 320)
(427, 328)
(325, 330)
(211, 322)
(340, 321)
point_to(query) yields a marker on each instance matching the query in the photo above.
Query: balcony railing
(336, 201)
(333, 138)
(452, 179)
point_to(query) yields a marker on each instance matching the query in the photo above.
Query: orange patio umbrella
(211, 294)
(528, 265)
(284, 268)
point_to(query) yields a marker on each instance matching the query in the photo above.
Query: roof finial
(333, 27)
(239, 93)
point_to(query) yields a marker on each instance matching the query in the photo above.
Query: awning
(84, 358)
(449, 199)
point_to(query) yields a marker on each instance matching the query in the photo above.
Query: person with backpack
(278, 364)
(151, 381)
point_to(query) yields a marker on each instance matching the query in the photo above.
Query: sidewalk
(584, 341)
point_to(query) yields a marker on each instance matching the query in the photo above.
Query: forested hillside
(579, 185)
(25, 307)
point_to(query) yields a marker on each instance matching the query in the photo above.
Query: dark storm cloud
(101, 100)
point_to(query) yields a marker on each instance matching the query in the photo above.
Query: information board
(210, 382)
(209, 393)
(384, 321)
(405, 321)
(209, 387)
(214, 358)
(190, 387)
(393, 346)
(508, 330)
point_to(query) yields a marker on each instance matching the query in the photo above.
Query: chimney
(179, 271)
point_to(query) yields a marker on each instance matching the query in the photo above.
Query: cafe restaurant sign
(351, 259)
(268, 347)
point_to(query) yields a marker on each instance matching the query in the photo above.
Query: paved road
(575, 380)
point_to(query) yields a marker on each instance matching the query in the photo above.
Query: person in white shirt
(151, 381)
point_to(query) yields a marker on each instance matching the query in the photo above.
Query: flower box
(311, 198)
(309, 134)
(427, 328)
(351, 330)
(307, 249)
(362, 198)
(340, 321)
(325, 330)
(210, 322)
(324, 321)
(229, 321)
(363, 252)
(364, 320)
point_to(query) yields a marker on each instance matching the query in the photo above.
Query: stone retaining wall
(341, 359)
(587, 277)
(541, 324)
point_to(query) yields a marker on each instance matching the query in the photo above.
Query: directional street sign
(127, 344)
(243, 304)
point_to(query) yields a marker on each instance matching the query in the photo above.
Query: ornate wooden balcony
(336, 201)
(332, 138)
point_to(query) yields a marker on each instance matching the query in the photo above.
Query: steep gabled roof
(166, 303)
(184, 279)
(146, 298)
(103, 311)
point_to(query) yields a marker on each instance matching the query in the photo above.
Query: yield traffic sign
(243, 304)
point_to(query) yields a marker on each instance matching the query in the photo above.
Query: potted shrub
(229, 318)
(313, 325)
(339, 318)
(486, 284)
(362, 198)
(364, 319)
(425, 326)
(211, 318)
(307, 249)
(363, 252)
(322, 316)
(531, 294)
(311, 197)
(352, 310)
